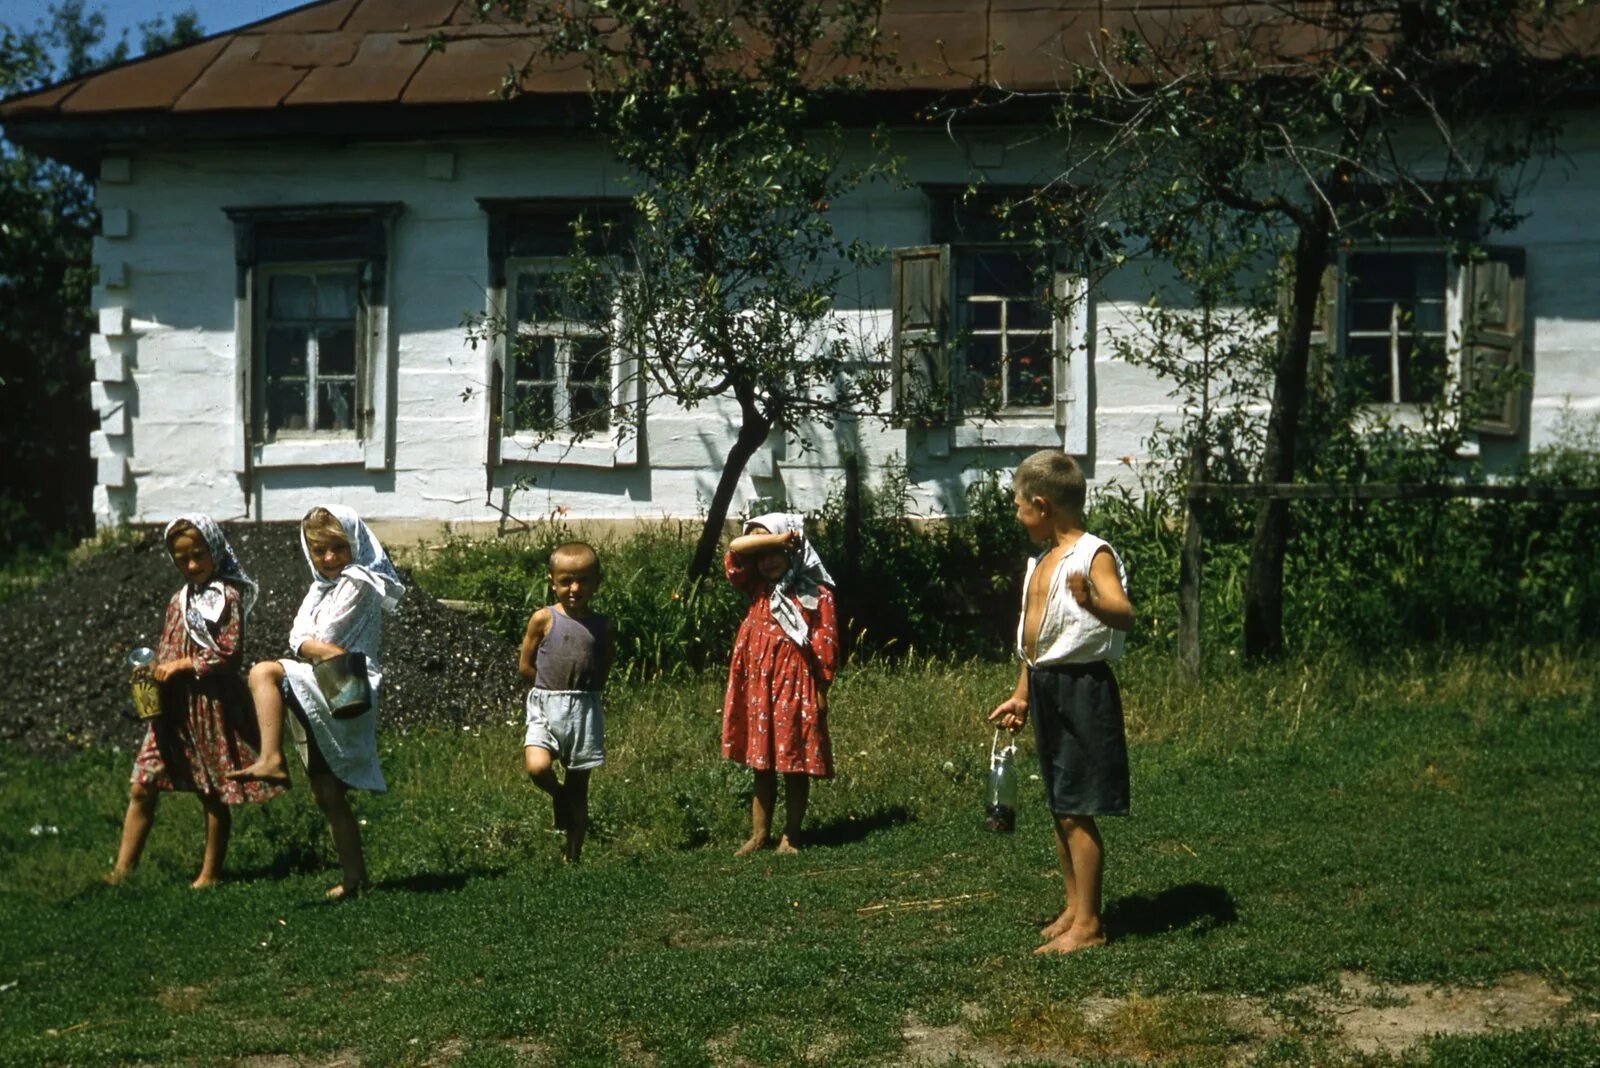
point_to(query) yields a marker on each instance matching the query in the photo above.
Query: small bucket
(344, 684)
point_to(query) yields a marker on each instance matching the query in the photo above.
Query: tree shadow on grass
(848, 829)
(429, 882)
(1199, 907)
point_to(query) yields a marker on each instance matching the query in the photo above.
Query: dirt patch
(1374, 1018)
(1360, 1017)
(67, 688)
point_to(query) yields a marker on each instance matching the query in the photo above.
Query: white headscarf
(805, 575)
(203, 605)
(368, 562)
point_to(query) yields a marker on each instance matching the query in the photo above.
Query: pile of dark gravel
(62, 645)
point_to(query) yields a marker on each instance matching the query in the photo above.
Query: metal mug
(146, 694)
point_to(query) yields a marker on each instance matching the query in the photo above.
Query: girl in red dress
(206, 718)
(775, 715)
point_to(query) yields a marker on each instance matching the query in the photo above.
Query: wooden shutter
(920, 369)
(1492, 355)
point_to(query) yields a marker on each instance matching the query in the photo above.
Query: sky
(215, 15)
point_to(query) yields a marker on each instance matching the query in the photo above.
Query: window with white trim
(560, 388)
(988, 329)
(1396, 339)
(315, 376)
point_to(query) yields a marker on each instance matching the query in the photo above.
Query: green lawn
(1423, 821)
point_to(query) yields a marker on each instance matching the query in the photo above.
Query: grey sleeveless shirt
(572, 655)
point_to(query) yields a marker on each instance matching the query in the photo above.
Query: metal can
(146, 694)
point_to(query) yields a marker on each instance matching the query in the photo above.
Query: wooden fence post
(1189, 569)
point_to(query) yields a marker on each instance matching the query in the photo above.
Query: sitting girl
(352, 585)
(202, 732)
(775, 714)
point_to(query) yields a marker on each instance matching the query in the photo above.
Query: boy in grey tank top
(566, 654)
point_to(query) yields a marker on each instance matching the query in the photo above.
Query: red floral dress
(773, 718)
(207, 725)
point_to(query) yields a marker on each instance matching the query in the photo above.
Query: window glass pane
(290, 296)
(336, 351)
(538, 297)
(534, 407)
(591, 409)
(1368, 369)
(1001, 273)
(286, 406)
(534, 360)
(983, 314)
(336, 405)
(286, 351)
(1028, 315)
(1028, 372)
(1428, 316)
(590, 361)
(1370, 315)
(336, 296)
(980, 384)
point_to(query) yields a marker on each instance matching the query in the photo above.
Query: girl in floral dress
(206, 728)
(775, 715)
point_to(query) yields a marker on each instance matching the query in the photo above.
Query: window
(560, 389)
(987, 332)
(1405, 326)
(1395, 334)
(559, 371)
(312, 334)
(309, 375)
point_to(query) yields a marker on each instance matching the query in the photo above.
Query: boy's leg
(762, 801)
(136, 824)
(796, 795)
(265, 680)
(1086, 854)
(1064, 857)
(330, 795)
(575, 800)
(219, 823)
(540, 764)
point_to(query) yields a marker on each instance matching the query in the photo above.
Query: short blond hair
(1053, 475)
(577, 555)
(321, 527)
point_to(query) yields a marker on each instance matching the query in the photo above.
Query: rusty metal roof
(366, 53)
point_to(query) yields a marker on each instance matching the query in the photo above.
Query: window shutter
(496, 405)
(1492, 356)
(920, 372)
(626, 394)
(1070, 376)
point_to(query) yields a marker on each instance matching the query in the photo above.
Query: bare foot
(1057, 926)
(115, 877)
(752, 844)
(204, 882)
(341, 892)
(1074, 939)
(787, 848)
(262, 771)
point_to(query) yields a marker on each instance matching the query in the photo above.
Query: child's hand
(163, 672)
(1012, 713)
(1079, 585)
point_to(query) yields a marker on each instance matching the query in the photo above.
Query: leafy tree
(47, 223)
(727, 116)
(1289, 130)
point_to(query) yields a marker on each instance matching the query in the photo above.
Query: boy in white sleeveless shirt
(1075, 609)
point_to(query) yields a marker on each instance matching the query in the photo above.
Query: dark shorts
(1077, 729)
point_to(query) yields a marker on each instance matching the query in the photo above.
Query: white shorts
(569, 724)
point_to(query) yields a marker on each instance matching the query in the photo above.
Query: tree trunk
(753, 430)
(1263, 585)
(1189, 568)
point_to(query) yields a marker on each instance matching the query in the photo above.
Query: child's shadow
(431, 882)
(1198, 906)
(847, 829)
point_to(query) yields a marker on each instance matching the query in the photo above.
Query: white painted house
(297, 216)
